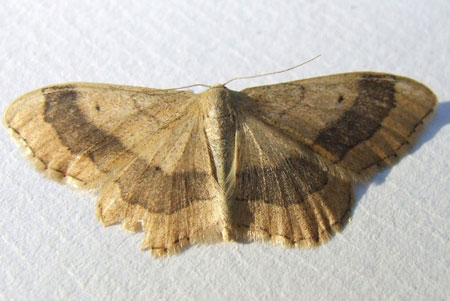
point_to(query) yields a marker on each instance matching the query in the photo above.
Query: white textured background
(396, 246)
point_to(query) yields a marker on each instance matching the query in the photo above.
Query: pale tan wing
(144, 149)
(170, 190)
(358, 121)
(81, 132)
(281, 192)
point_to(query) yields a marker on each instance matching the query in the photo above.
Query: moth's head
(217, 86)
(217, 92)
(216, 99)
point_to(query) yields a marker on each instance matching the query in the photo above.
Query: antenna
(246, 77)
(189, 86)
(270, 73)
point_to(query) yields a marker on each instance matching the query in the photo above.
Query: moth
(270, 163)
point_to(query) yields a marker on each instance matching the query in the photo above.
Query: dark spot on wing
(376, 98)
(74, 131)
(146, 185)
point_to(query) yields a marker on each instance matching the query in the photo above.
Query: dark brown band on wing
(142, 184)
(158, 192)
(289, 183)
(376, 98)
(74, 131)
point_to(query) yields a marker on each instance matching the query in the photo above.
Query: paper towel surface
(396, 245)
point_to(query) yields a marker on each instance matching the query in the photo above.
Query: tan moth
(273, 163)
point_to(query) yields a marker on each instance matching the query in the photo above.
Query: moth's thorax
(220, 128)
(217, 102)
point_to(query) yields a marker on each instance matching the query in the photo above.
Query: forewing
(144, 149)
(359, 122)
(82, 132)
